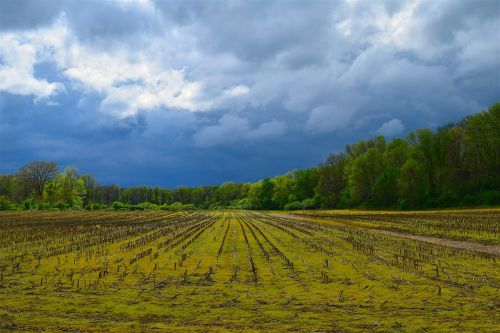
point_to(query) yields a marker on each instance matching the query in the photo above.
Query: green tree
(482, 136)
(385, 190)
(332, 180)
(265, 194)
(305, 182)
(283, 186)
(396, 153)
(413, 184)
(365, 170)
(92, 189)
(71, 188)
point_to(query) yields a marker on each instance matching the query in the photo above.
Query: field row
(233, 270)
(481, 225)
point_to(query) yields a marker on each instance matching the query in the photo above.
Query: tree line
(456, 165)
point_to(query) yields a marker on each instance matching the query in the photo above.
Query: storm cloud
(196, 92)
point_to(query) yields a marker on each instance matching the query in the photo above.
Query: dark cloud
(105, 21)
(27, 14)
(441, 21)
(198, 92)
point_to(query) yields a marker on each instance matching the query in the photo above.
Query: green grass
(342, 279)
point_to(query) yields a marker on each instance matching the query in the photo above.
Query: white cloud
(129, 81)
(369, 60)
(17, 60)
(395, 29)
(239, 90)
(392, 127)
(131, 86)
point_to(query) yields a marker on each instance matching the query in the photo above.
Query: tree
(37, 173)
(363, 174)
(426, 152)
(265, 194)
(92, 187)
(227, 192)
(305, 181)
(413, 184)
(71, 188)
(283, 186)
(396, 153)
(385, 190)
(52, 191)
(6, 184)
(482, 136)
(332, 179)
(253, 200)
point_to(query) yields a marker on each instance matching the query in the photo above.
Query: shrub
(189, 207)
(307, 203)
(175, 206)
(490, 197)
(448, 199)
(296, 205)
(5, 204)
(61, 205)
(96, 206)
(28, 204)
(43, 206)
(148, 205)
(117, 205)
(179, 206)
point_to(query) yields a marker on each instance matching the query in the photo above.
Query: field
(481, 225)
(190, 271)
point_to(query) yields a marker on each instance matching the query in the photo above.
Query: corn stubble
(243, 271)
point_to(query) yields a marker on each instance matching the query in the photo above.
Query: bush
(296, 205)
(489, 198)
(28, 204)
(430, 203)
(117, 205)
(402, 204)
(175, 206)
(448, 199)
(148, 205)
(468, 200)
(43, 206)
(307, 203)
(178, 206)
(95, 206)
(5, 204)
(61, 205)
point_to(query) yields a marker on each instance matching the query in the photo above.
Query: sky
(196, 93)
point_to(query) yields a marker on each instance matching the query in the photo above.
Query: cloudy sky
(199, 92)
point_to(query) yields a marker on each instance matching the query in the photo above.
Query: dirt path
(457, 244)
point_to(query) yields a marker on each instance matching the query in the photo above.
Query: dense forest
(456, 165)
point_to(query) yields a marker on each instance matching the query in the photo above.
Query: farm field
(190, 271)
(474, 224)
